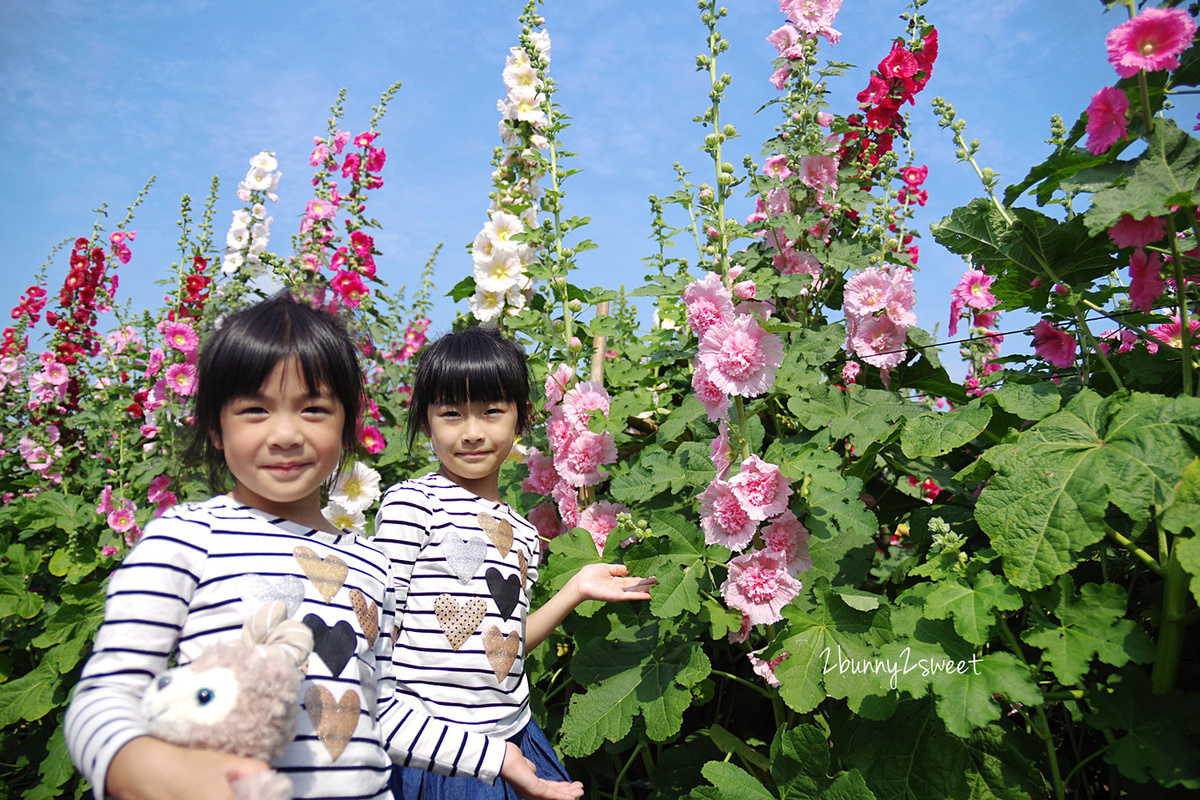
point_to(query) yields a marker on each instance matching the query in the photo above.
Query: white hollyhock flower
(486, 306)
(500, 272)
(232, 262)
(238, 238)
(503, 226)
(264, 162)
(356, 489)
(522, 77)
(345, 519)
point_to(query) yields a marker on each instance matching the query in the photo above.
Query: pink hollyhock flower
(319, 208)
(814, 17)
(108, 550)
(723, 518)
(579, 464)
(742, 633)
(780, 77)
(972, 291)
(568, 504)
(740, 357)
(880, 342)
(744, 290)
(850, 372)
(1151, 41)
(339, 141)
(542, 475)
(716, 402)
(56, 374)
(121, 519)
(158, 488)
(599, 519)
(914, 176)
(819, 173)
(778, 201)
(559, 430)
(583, 399)
(789, 538)
(708, 303)
(181, 336)
(761, 488)
(1146, 283)
(1055, 346)
(545, 519)
(785, 39)
(1171, 334)
(902, 298)
(105, 505)
(372, 440)
(319, 153)
(777, 166)
(556, 383)
(1106, 119)
(867, 292)
(350, 286)
(759, 586)
(1130, 232)
(766, 669)
(181, 378)
(719, 451)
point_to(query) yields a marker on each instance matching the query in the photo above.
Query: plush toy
(238, 697)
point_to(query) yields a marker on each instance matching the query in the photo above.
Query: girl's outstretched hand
(609, 583)
(521, 775)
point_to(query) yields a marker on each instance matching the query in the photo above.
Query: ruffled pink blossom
(568, 504)
(879, 341)
(583, 399)
(719, 451)
(850, 372)
(740, 357)
(1146, 283)
(708, 303)
(759, 586)
(785, 39)
(742, 633)
(789, 538)
(716, 402)
(1106, 119)
(105, 505)
(723, 518)
(542, 475)
(766, 669)
(556, 383)
(819, 172)
(814, 17)
(545, 519)
(1130, 232)
(599, 519)
(761, 488)
(558, 430)
(579, 464)
(867, 292)
(1151, 41)
(1055, 346)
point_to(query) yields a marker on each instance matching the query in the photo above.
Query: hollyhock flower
(545, 519)
(1171, 334)
(499, 273)
(568, 504)
(599, 519)
(108, 550)
(902, 298)
(880, 342)
(1130, 232)
(780, 77)
(759, 586)
(121, 519)
(1106, 119)
(914, 176)
(1146, 283)
(584, 398)
(1053, 345)
(789, 538)
(716, 401)
(542, 475)
(867, 292)
(345, 519)
(319, 153)
(486, 306)
(559, 430)
(372, 440)
(777, 166)
(719, 451)
(158, 489)
(742, 633)
(814, 17)
(556, 383)
(972, 292)
(785, 39)
(1151, 41)
(819, 172)
(740, 357)
(761, 488)
(350, 286)
(105, 505)
(708, 303)
(850, 372)
(180, 336)
(723, 518)
(766, 669)
(357, 488)
(181, 378)
(579, 464)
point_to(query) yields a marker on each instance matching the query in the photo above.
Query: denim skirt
(416, 784)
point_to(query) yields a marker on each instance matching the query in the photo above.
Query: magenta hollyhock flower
(372, 440)
(350, 286)
(599, 519)
(1151, 41)
(579, 464)
(789, 538)
(158, 488)
(1130, 232)
(723, 518)
(1171, 334)
(1146, 283)
(761, 488)
(105, 505)
(319, 208)
(708, 303)
(583, 399)
(108, 550)
(556, 383)
(1055, 346)
(319, 153)
(759, 586)
(766, 669)
(718, 451)
(740, 357)
(545, 519)
(181, 378)
(716, 401)
(181, 336)
(121, 519)
(542, 475)
(1107, 120)
(972, 291)
(914, 176)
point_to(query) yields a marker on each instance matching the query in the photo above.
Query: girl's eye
(252, 410)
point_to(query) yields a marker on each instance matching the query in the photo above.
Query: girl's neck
(487, 488)
(309, 516)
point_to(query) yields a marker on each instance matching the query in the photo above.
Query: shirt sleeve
(144, 613)
(413, 739)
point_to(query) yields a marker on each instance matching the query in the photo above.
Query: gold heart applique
(499, 531)
(327, 574)
(501, 650)
(334, 721)
(368, 615)
(524, 563)
(459, 622)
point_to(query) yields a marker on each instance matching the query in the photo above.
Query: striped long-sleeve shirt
(464, 568)
(198, 574)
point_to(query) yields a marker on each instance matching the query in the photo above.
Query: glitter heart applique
(499, 531)
(334, 721)
(501, 650)
(258, 590)
(459, 622)
(505, 591)
(465, 556)
(327, 574)
(335, 645)
(368, 615)
(523, 563)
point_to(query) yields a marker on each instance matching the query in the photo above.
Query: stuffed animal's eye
(163, 682)
(204, 696)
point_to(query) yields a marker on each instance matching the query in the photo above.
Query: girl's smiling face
(472, 440)
(282, 443)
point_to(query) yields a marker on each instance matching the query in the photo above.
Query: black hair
(474, 364)
(244, 350)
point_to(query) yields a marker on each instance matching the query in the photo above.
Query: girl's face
(282, 443)
(472, 440)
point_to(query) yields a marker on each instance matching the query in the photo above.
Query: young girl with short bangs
(278, 399)
(465, 562)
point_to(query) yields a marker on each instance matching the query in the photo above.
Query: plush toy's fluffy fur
(238, 698)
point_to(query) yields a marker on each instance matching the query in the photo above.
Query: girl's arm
(604, 582)
(150, 769)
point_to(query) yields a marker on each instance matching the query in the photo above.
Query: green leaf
(656, 472)
(1188, 552)
(863, 415)
(29, 697)
(1184, 512)
(935, 433)
(55, 770)
(1052, 487)
(1090, 624)
(15, 596)
(677, 421)
(972, 607)
(677, 556)
(733, 783)
(1031, 401)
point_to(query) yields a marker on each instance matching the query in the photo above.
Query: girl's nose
(285, 432)
(473, 430)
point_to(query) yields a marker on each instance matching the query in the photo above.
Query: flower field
(876, 580)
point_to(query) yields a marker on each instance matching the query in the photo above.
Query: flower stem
(1185, 321)
(1141, 555)
(1170, 636)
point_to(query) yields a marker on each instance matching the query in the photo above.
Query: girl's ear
(214, 436)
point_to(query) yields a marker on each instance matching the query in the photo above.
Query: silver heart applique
(258, 590)
(465, 556)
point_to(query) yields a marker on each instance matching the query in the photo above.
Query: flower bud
(575, 304)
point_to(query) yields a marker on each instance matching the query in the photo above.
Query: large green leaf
(731, 782)
(1052, 487)
(862, 415)
(1031, 401)
(935, 433)
(29, 697)
(800, 766)
(969, 604)
(657, 471)
(15, 595)
(677, 556)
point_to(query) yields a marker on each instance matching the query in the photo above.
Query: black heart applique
(505, 591)
(334, 645)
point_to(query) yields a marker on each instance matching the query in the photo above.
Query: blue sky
(97, 97)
